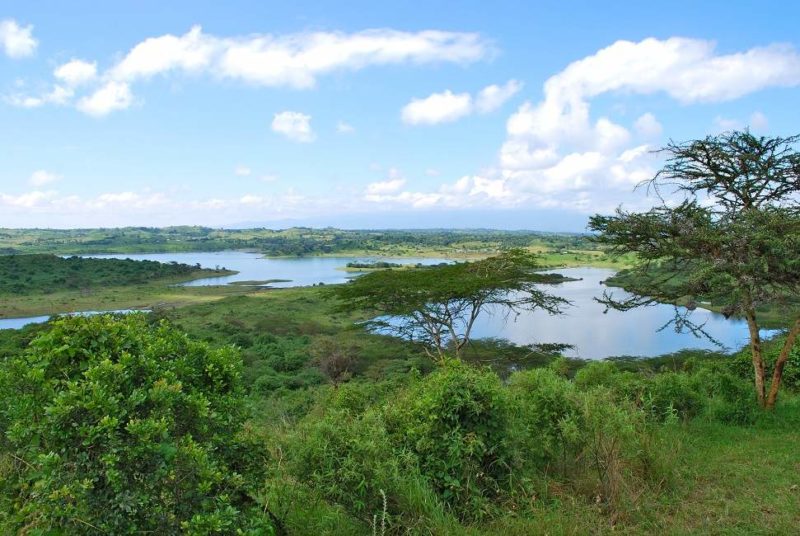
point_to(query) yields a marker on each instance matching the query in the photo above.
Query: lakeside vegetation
(43, 284)
(556, 249)
(285, 412)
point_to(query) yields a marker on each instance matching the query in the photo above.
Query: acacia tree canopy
(439, 305)
(734, 239)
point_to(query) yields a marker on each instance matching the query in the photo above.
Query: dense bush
(455, 422)
(347, 459)
(118, 426)
(544, 406)
(742, 363)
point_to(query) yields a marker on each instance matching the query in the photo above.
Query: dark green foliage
(454, 421)
(119, 426)
(28, 274)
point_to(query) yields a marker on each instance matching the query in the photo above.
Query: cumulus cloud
(557, 155)
(41, 178)
(493, 97)
(294, 125)
(109, 97)
(446, 107)
(242, 171)
(437, 108)
(648, 126)
(76, 72)
(17, 41)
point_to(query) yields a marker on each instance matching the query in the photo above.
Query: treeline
(288, 242)
(27, 274)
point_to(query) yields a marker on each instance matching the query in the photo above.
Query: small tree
(733, 239)
(335, 360)
(115, 426)
(439, 305)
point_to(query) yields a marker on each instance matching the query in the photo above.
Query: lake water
(594, 334)
(18, 323)
(297, 271)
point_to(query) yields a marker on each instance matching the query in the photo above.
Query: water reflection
(596, 334)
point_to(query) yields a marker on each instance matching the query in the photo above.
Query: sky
(517, 115)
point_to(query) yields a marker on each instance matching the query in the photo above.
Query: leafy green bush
(455, 421)
(742, 363)
(345, 458)
(596, 373)
(672, 393)
(118, 426)
(731, 399)
(544, 403)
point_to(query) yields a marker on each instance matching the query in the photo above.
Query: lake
(597, 334)
(594, 334)
(296, 271)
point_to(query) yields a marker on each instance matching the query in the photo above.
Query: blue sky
(371, 114)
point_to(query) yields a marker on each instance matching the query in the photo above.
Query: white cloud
(17, 41)
(269, 177)
(76, 72)
(296, 60)
(289, 60)
(447, 106)
(557, 155)
(111, 96)
(41, 178)
(343, 127)
(294, 125)
(437, 108)
(59, 95)
(648, 126)
(388, 186)
(493, 97)
(191, 52)
(242, 171)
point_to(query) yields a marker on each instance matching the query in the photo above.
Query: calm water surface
(594, 334)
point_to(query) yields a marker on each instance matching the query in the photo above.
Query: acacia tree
(734, 238)
(439, 305)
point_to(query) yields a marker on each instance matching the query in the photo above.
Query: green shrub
(544, 403)
(672, 393)
(347, 459)
(118, 426)
(742, 363)
(618, 454)
(596, 373)
(454, 421)
(731, 399)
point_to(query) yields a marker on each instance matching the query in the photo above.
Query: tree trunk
(758, 358)
(777, 374)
